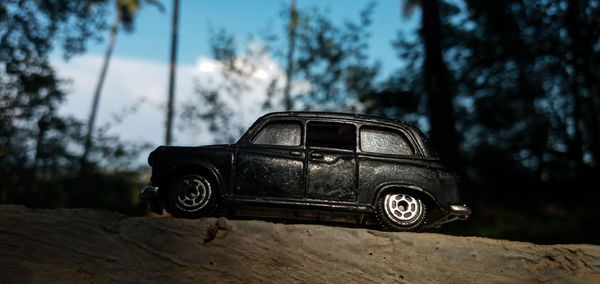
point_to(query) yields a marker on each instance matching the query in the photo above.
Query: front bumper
(150, 195)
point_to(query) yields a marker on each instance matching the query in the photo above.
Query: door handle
(316, 155)
(296, 153)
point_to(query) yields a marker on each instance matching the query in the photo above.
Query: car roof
(341, 115)
(420, 137)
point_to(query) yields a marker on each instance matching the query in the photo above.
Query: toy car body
(311, 165)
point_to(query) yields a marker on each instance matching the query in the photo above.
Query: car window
(281, 134)
(331, 135)
(384, 141)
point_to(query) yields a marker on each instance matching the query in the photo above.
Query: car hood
(169, 150)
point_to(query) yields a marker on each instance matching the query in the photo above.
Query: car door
(331, 168)
(387, 155)
(271, 164)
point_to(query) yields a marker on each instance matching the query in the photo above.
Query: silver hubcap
(194, 193)
(403, 209)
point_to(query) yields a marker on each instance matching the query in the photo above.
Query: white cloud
(129, 81)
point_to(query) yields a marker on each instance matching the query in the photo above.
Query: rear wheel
(191, 196)
(401, 212)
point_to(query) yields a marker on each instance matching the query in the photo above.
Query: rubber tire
(387, 223)
(207, 210)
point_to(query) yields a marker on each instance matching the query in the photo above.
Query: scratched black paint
(310, 175)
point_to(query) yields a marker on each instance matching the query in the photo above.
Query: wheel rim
(402, 208)
(193, 193)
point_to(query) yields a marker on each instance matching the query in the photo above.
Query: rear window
(384, 141)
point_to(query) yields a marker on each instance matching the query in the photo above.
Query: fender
(395, 184)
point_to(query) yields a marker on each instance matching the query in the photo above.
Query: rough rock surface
(97, 246)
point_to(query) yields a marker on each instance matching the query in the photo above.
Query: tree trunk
(593, 128)
(170, 102)
(439, 101)
(92, 118)
(287, 98)
(577, 47)
(43, 125)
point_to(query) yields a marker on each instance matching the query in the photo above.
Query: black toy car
(314, 166)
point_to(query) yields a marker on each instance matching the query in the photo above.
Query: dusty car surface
(314, 166)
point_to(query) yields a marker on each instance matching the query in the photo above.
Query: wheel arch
(418, 191)
(204, 169)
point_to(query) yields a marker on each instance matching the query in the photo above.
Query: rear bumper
(461, 212)
(150, 195)
(455, 212)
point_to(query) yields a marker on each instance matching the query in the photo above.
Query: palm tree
(174, 31)
(124, 16)
(293, 23)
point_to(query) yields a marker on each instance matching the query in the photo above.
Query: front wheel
(191, 196)
(401, 212)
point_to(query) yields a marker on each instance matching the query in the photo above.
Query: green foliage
(532, 80)
(127, 9)
(333, 59)
(213, 101)
(30, 92)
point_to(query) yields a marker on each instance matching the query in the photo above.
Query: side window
(331, 135)
(280, 134)
(382, 141)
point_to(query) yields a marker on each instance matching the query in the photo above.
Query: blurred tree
(125, 11)
(329, 60)
(40, 149)
(526, 79)
(218, 99)
(529, 68)
(32, 135)
(333, 60)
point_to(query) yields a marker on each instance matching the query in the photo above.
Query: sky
(135, 90)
